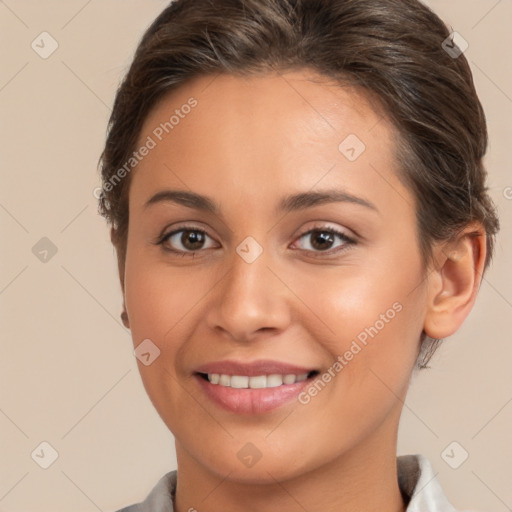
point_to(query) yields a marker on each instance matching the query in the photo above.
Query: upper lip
(253, 368)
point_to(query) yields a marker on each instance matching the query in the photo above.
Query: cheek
(346, 302)
(371, 317)
(165, 305)
(157, 297)
(374, 325)
(160, 305)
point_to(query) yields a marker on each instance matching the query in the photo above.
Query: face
(291, 255)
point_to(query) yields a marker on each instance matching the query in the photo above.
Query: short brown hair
(390, 48)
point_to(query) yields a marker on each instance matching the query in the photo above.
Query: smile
(255, 382)
(253, 400)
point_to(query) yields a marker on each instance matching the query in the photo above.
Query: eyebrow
(290, 203)
(305, 200)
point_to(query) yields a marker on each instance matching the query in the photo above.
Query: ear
(124, 317)
(454, 282)
(120, 266)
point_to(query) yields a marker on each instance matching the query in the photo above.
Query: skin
(248, 143)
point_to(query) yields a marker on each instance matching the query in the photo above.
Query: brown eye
(324, 239)
(192, 240)
(185, 240)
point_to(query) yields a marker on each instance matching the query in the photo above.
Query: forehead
(266, 133)
(299, 100)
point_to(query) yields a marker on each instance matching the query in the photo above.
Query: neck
(361, 480)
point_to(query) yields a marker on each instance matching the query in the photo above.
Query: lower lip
(252, 401)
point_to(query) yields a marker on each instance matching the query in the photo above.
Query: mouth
(257, 381)
(253, 388)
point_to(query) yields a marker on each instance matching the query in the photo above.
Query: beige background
(67, 371)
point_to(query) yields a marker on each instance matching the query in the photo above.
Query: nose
(249, 300)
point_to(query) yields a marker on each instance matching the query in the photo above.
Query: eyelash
(347, 240)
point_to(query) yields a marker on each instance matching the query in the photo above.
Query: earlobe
(454, 283)
(121, 267)
(120, 249)
(124, 318)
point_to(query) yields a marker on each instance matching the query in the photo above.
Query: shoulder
(160, 498)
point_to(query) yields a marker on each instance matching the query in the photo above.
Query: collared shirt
(416, 480)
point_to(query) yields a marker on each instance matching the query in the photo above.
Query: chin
(267, 469)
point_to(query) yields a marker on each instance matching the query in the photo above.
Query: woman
(298, 205)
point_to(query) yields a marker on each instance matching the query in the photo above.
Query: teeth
(225, 380)
(290, 378)
(238, 381)
(257, 382)
(274, 380)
